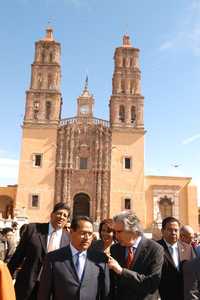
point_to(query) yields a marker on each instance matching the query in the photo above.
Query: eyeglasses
(86, 234)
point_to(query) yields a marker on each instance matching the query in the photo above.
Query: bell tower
(126, 103)
(36, 180)
(127, 125)
(85, 103)
(43, 99)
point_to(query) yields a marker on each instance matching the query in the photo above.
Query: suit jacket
(97, 245)
(59, 278)
(29, 256)
(171, 284)
(191, 275)
(141, 281)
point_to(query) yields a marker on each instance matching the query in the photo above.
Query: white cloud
(8, 171)
(189, 33)
(167, 45)
(191, 139)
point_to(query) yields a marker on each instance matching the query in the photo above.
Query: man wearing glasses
(75, 272)
(37, 240)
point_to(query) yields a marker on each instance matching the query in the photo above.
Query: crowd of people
(65, 260)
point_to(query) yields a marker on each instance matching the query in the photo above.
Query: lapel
(42, 230)
(64, 239)
(121, 256)
(70, 264)
(140, 251)
(87, 273)
(167, 253)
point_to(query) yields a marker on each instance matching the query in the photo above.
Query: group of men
(53, 264)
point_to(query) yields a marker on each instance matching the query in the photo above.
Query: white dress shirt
(173, 250)
(57, 238)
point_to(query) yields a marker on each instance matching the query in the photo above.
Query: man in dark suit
(136, 261)
(36, 241)
(176, 253)
(74, 272)
(191, 274)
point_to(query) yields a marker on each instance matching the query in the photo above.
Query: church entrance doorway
(81, 206)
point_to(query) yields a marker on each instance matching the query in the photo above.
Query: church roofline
(169, 177)
(94, 120)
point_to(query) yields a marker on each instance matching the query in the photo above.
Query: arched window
(133, 114)
(124, 62)
(122, 86)
(39, 80)
(50, 81)
(48, 110)
(132, 87)
(36, 108)
(122, 113)
(43, 56)
(50, 57)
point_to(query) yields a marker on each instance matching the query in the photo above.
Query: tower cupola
(85, 102)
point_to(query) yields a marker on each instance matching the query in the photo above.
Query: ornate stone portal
(165, 203)
(83, 164)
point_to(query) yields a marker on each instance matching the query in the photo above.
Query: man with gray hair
(135, 261)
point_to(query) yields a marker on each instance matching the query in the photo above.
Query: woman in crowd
(107, 237)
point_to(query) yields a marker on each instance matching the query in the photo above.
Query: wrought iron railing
(86, 120)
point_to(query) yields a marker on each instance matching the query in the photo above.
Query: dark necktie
(77, 265)
(130, 257)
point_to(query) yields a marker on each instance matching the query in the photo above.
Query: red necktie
(130, 257)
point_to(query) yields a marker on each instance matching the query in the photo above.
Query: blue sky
(168, 35)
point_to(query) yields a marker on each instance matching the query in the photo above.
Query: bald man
(186, 234)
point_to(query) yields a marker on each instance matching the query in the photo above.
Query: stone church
(96, 166)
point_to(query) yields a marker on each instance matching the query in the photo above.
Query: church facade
(95, 166)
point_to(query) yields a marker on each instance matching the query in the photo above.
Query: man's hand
(113, 265)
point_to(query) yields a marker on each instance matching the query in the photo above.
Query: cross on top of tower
(126, 41)
(86, 92)
(49, 34)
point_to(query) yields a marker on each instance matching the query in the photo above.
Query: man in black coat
(136, 261)
(176, 253)
(74, 272)
(36, 241)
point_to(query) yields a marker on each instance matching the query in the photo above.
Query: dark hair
(14, 224)
(169, 220)
(77, 219)
(6, 230)
(107, 222)
(61, 205)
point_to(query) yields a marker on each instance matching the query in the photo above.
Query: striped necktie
(130, 257)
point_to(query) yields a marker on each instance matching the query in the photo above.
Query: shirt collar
(51, 229)
(75, 251)
(175, 245)
(136, 242)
